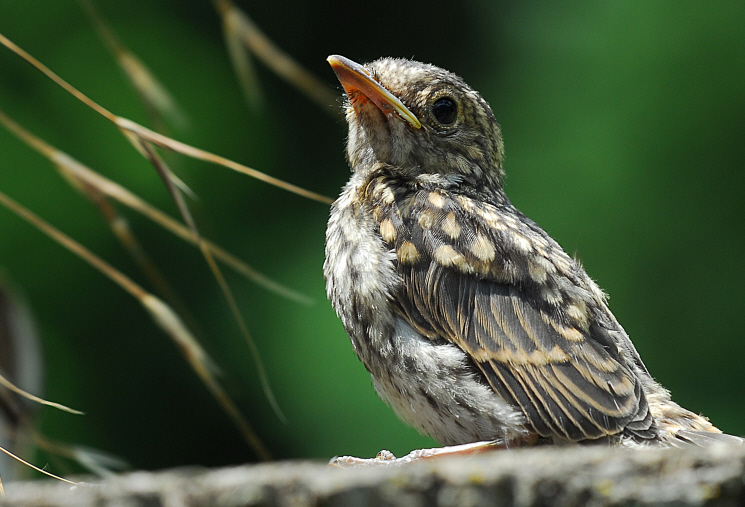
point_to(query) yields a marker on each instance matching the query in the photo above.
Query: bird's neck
(413, 179)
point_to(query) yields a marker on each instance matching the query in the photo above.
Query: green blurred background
(625, 133)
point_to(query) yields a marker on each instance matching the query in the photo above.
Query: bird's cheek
(400, 141)
(375, 138)
(364, 148)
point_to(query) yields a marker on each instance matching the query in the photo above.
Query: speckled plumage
(473, 322)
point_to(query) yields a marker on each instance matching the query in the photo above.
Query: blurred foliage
(624, 126)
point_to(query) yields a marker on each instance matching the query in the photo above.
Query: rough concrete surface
(533, 477)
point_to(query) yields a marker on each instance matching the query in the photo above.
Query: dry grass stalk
(238, 27)
(159, 103)
(158, 139)
(161, 313)
(100, 463)
(12, 387)
(49, 474)
(241, 30)
(163, 171)
(93, 184)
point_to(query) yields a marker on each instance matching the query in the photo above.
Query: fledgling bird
(474, 324)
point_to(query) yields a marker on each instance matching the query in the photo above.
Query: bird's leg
(387, 457)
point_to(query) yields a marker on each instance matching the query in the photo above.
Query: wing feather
(550, 356)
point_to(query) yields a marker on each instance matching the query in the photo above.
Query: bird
(474, 324)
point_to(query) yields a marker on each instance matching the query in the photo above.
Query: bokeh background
(625, 134)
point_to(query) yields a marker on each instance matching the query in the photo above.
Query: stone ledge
(547, 477)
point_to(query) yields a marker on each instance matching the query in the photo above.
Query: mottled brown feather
(564, 378)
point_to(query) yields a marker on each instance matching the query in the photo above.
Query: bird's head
(423, 121)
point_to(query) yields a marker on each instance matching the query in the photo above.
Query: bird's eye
(445, 111)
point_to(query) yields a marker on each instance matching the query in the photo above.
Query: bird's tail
(704, 438)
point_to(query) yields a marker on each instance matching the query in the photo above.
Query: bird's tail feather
(707, 438)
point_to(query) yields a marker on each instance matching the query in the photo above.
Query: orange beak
(358, 84)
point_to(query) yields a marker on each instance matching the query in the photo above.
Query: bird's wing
(504, 292)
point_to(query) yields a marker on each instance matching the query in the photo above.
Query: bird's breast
(361, 277)
(430, 383)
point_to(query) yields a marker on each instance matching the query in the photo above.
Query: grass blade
(164, 172)
(242, 63)
(100, 463)
(199, 154)
(83, 178)
(241, 26)
(49, 474)
(166, 318)
(159, 139)
(11, 387)
(159, 103)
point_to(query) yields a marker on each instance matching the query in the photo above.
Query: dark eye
(444, 110)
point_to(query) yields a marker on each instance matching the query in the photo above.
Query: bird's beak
(356, 80)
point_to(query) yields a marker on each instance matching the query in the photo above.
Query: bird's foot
(387, 458)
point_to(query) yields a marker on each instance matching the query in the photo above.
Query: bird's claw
(387, 458)
(384, 457)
